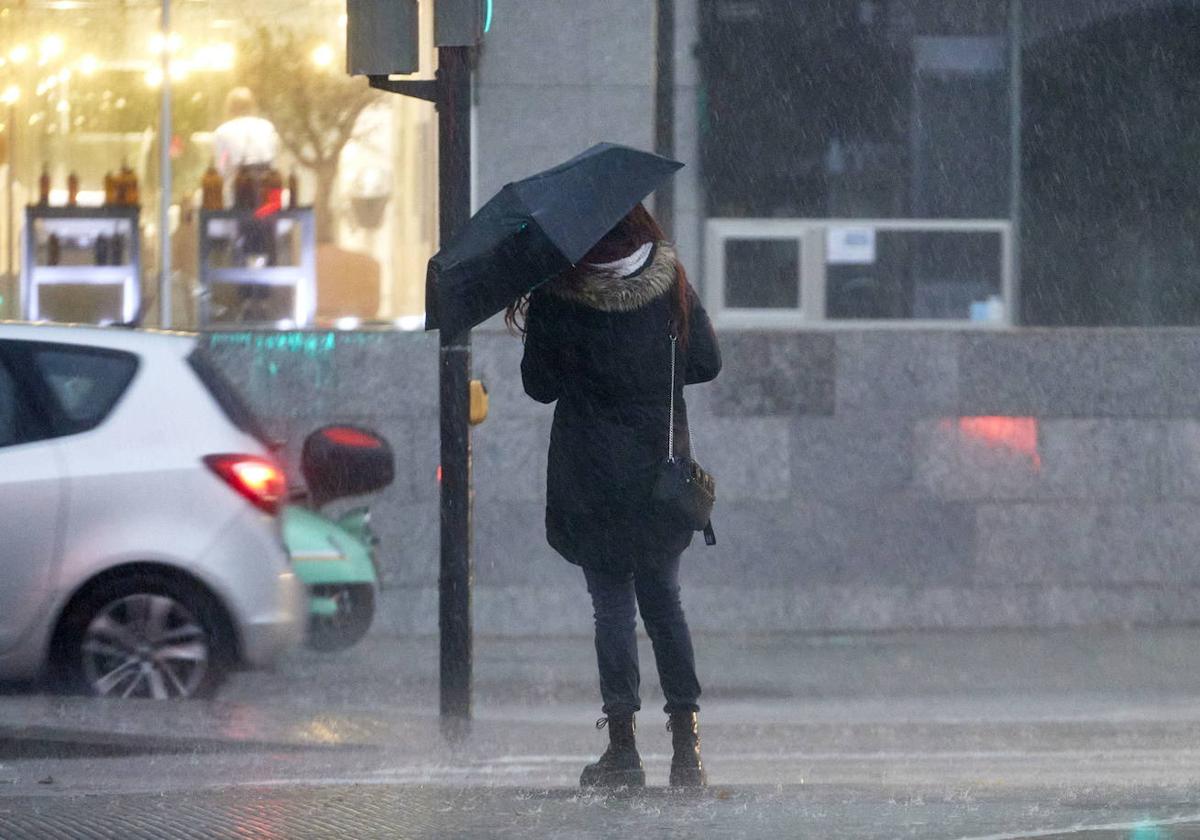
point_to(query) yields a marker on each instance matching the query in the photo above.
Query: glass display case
(81, 264)
(257, 268)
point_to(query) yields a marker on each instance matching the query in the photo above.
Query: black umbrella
(533, 229)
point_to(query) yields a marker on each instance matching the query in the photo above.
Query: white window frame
(811, 234)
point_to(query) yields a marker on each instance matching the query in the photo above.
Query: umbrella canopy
(535, 228)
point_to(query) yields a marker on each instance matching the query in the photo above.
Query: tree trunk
(326, 173)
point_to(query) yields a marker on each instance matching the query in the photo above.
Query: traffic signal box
(460, 23)
(383, 36)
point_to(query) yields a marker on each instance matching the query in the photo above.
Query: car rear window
(227, 397)
(8, 408)
(85, 382)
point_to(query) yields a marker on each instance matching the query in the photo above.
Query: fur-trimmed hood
(609, 292)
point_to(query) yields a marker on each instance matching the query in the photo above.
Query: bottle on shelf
(127, 186)
(293, 186)
(44, 186)
(212, 189)
(244, 190)
(116, 250)
(100, 250)
(72, 190)
(110, 189)
(119, 186)
(53, 250)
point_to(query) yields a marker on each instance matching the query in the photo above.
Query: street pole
(451, 93)
(664, 107)
(10, 281)
(1015, 36)
(454, 580)
(164, 175)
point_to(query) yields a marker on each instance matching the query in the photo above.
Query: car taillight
(258, 479)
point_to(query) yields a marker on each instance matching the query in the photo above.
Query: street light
(323, 56)
(51, 47)
(215, 56)
(172, 42)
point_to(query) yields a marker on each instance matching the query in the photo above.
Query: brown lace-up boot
(620, 766)
(687, 770)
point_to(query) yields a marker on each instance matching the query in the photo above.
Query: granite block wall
(554, 78)
(868, 479)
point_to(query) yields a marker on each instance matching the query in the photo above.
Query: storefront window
(881, 122)
(81, 85)
(1111, 163)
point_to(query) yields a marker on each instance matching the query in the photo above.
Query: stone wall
(555, 78)
(868, 479)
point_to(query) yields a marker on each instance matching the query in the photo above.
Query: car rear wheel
(146, 636)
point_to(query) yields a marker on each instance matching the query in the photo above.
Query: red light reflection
(1015, 434)
(345, 436)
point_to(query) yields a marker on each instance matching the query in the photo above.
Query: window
(84, 383)
(1109, 166)
(786, 272)
(858, 160)
(8, 408)
(19, 422)
(763, 273)
(922, 275)
(227, 397)
(846, 108)
(82, 85)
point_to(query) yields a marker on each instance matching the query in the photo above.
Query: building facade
(924, 228)
(965, 162)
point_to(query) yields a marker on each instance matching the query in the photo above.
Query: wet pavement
(440, 812)
(425, 811)
(899, 735)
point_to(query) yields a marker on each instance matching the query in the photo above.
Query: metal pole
(454, 580)
(10, 281)
(164, 175)
(1015, 131)
(664, 107)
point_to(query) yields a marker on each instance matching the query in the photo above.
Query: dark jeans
(656, 591)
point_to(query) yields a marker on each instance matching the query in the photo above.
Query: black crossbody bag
(684, 492)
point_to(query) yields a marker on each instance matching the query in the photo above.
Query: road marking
(1080, 829)
(880, 755)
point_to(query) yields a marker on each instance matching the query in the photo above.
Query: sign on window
(850, 246)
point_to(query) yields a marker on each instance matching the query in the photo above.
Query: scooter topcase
(343, 460)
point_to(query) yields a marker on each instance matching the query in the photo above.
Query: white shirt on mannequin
(244, 140)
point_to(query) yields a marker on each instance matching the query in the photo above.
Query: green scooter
(337, 558)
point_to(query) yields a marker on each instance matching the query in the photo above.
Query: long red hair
(632, 232)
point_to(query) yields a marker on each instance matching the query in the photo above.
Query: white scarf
(626, 266)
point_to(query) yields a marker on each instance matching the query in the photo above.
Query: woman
(598, 341)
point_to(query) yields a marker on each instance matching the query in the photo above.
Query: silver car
(140, 549)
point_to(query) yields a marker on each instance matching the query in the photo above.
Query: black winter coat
(601, 347)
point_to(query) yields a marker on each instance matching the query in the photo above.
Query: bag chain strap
(671, 416)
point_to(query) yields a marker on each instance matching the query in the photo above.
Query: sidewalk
(969, 735)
